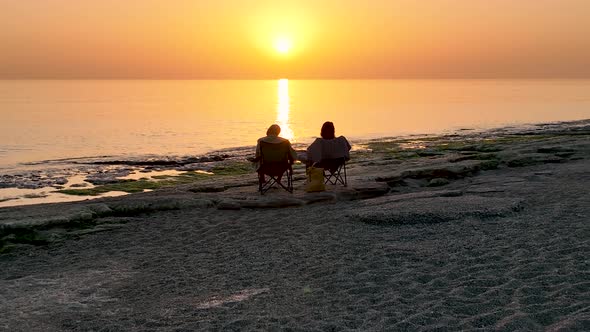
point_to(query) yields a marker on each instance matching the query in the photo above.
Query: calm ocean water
(43, 120)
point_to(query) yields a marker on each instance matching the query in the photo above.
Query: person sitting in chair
(272, 137)
(329, 151)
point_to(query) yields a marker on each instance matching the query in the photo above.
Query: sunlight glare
(283, 109)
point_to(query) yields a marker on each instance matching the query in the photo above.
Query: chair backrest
(335, 148)
(275, 152)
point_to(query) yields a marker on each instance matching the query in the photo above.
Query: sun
(283, 45)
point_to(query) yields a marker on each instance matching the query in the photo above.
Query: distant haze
(182, 39)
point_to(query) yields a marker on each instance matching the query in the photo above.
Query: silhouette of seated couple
(275, 155)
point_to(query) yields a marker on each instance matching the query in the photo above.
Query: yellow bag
(315, 180)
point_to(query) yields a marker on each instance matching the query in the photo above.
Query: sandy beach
(478, 231)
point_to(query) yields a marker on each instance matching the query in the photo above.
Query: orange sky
(331, 39)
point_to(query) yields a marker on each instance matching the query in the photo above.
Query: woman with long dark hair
(328, 148)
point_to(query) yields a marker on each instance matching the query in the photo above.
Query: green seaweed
(520, 138)
(360, 157)
(403, 155)
(446, 143)
(183, 178)
(416, 139)
(162, 181)
(233, 168)
(455, 146)
(384, 146)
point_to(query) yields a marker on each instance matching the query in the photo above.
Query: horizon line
(294, 78)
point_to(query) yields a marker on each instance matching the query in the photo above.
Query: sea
(51, 130)
(44, 120)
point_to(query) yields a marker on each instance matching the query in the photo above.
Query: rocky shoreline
(483, 230)
(378, 167)
(60, 176)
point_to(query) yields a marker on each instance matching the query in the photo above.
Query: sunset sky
(169, 39)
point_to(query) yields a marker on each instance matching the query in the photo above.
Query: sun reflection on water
(283, 109)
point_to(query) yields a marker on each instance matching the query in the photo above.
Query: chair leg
(268, 185)
(337, 176)
(288, 187)
(331, 177)
(263, 188)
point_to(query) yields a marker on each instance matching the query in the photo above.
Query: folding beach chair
(275, 161)
(334, 171)
(332, 155)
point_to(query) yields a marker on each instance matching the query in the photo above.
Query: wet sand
(488, 235)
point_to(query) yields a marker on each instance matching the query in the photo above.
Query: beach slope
(485, 231)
